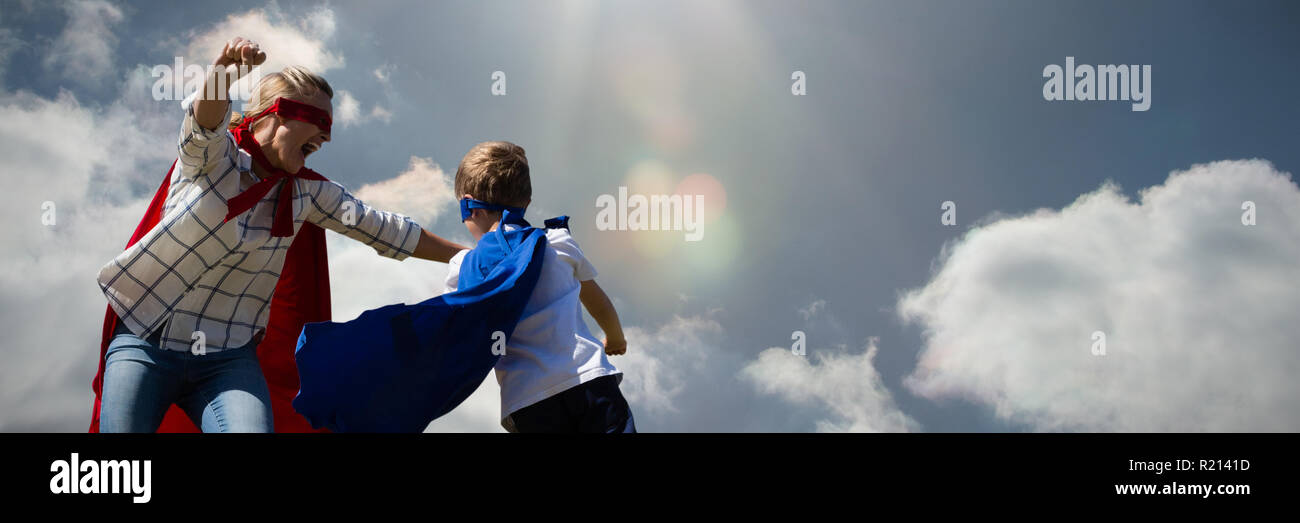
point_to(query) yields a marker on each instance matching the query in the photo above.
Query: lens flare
(649, 177)
(715, 195)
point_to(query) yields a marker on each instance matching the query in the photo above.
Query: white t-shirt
(551, 349)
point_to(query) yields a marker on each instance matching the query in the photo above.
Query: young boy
(554, 376)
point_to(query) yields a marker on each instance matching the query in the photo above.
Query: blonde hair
(295, 81)
(496, 173)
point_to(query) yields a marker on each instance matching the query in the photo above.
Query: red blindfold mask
(294, 110)
(282, 224)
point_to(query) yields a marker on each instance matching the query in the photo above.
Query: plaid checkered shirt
(193, 273)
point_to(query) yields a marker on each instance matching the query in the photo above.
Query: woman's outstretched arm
(331, 206)
(436, 248)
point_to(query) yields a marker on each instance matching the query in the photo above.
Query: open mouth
(309, 148)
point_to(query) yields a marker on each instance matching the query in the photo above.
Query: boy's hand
(602, 310)
(615, 347)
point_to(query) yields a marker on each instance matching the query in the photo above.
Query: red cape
(301, 296)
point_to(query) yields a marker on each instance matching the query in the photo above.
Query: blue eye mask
(516, 214)
(511, 215)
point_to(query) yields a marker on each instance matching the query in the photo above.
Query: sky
(823, 211)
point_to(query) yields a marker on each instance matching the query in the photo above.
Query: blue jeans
(221, 391)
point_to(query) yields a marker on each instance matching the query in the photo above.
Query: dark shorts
(595, 406)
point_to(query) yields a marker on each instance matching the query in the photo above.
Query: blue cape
(399, 367)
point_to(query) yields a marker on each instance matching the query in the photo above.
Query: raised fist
(241, 52)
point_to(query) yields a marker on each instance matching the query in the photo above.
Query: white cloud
(680, 376)
(286, 40)
(481, 411)
(86, 49)
(423, 191)
(846, 385)
(83, 161)
(318, 23)
(384, 73)
(812, 309)
(1198, 310)
(380, 113)
(659, 363)
(347, 110)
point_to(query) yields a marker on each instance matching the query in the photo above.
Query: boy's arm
(602, 309)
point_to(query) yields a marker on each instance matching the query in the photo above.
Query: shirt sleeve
(198, 148)
(331, 206)
(453, 272)
(569, 252)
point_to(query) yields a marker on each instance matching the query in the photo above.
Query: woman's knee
(238, 410)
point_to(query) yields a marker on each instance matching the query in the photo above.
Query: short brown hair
(496, 173)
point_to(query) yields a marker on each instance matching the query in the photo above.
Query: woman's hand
(241, 52)
(213, 103)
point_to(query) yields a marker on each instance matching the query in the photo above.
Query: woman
(190, 297)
